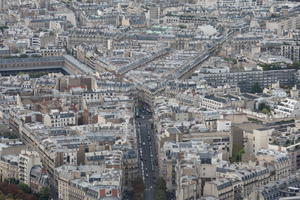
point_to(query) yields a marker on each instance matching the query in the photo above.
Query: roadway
(193, 64)
(182, 71)
(146, 151)
(144, 60)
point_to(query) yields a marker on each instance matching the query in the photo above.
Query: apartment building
(27, 160)
(187, 19)
(288, 108)
(289, 146)
(59, 119)
(243, 42)
(38, 179)
(3, 5)
(191, 177)
(278, 163)
(188, 188)
(286, 188)
(283, 24)
(256, 139)
(175, 164)
(216, 102)
(88, 36)
(9, 167)
(90, 182)
(291, 51)
(222, 188)
(236, 182)
(220, 140)
(245, 80)
(93, 97)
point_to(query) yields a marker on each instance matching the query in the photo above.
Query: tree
(160, 195)
(24, 56)
(261, 106)
(264, 108)
(44, 194)
(24, 188)
(13, 191)
(265, 111)
(160, 189)
(2, 196)
(12, 181)
(2, 28)
(232, 60)
(239, 155)
(182, 26)
(160, 184)
(256, 88)
(9, 189)
(138, 188)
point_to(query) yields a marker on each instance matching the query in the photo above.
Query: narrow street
(146, 151)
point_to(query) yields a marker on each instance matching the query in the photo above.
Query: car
(147, 175)
(144, 143)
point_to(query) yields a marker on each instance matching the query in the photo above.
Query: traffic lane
(145, 150)
(147, 160)
(149, 194)
(148, 172)
(147, 163)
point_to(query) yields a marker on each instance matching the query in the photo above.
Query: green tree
(256, 88)
(24, 56)
(261, 106)
(160, 189)
(160, 184)
(24, 188)
(265, 111)
(182, 26)
(264, 108)
(295, 65)
(2, 196)
(160, 195)
(232, 60)
(237, 156)
(43, 194)
(2, 28)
